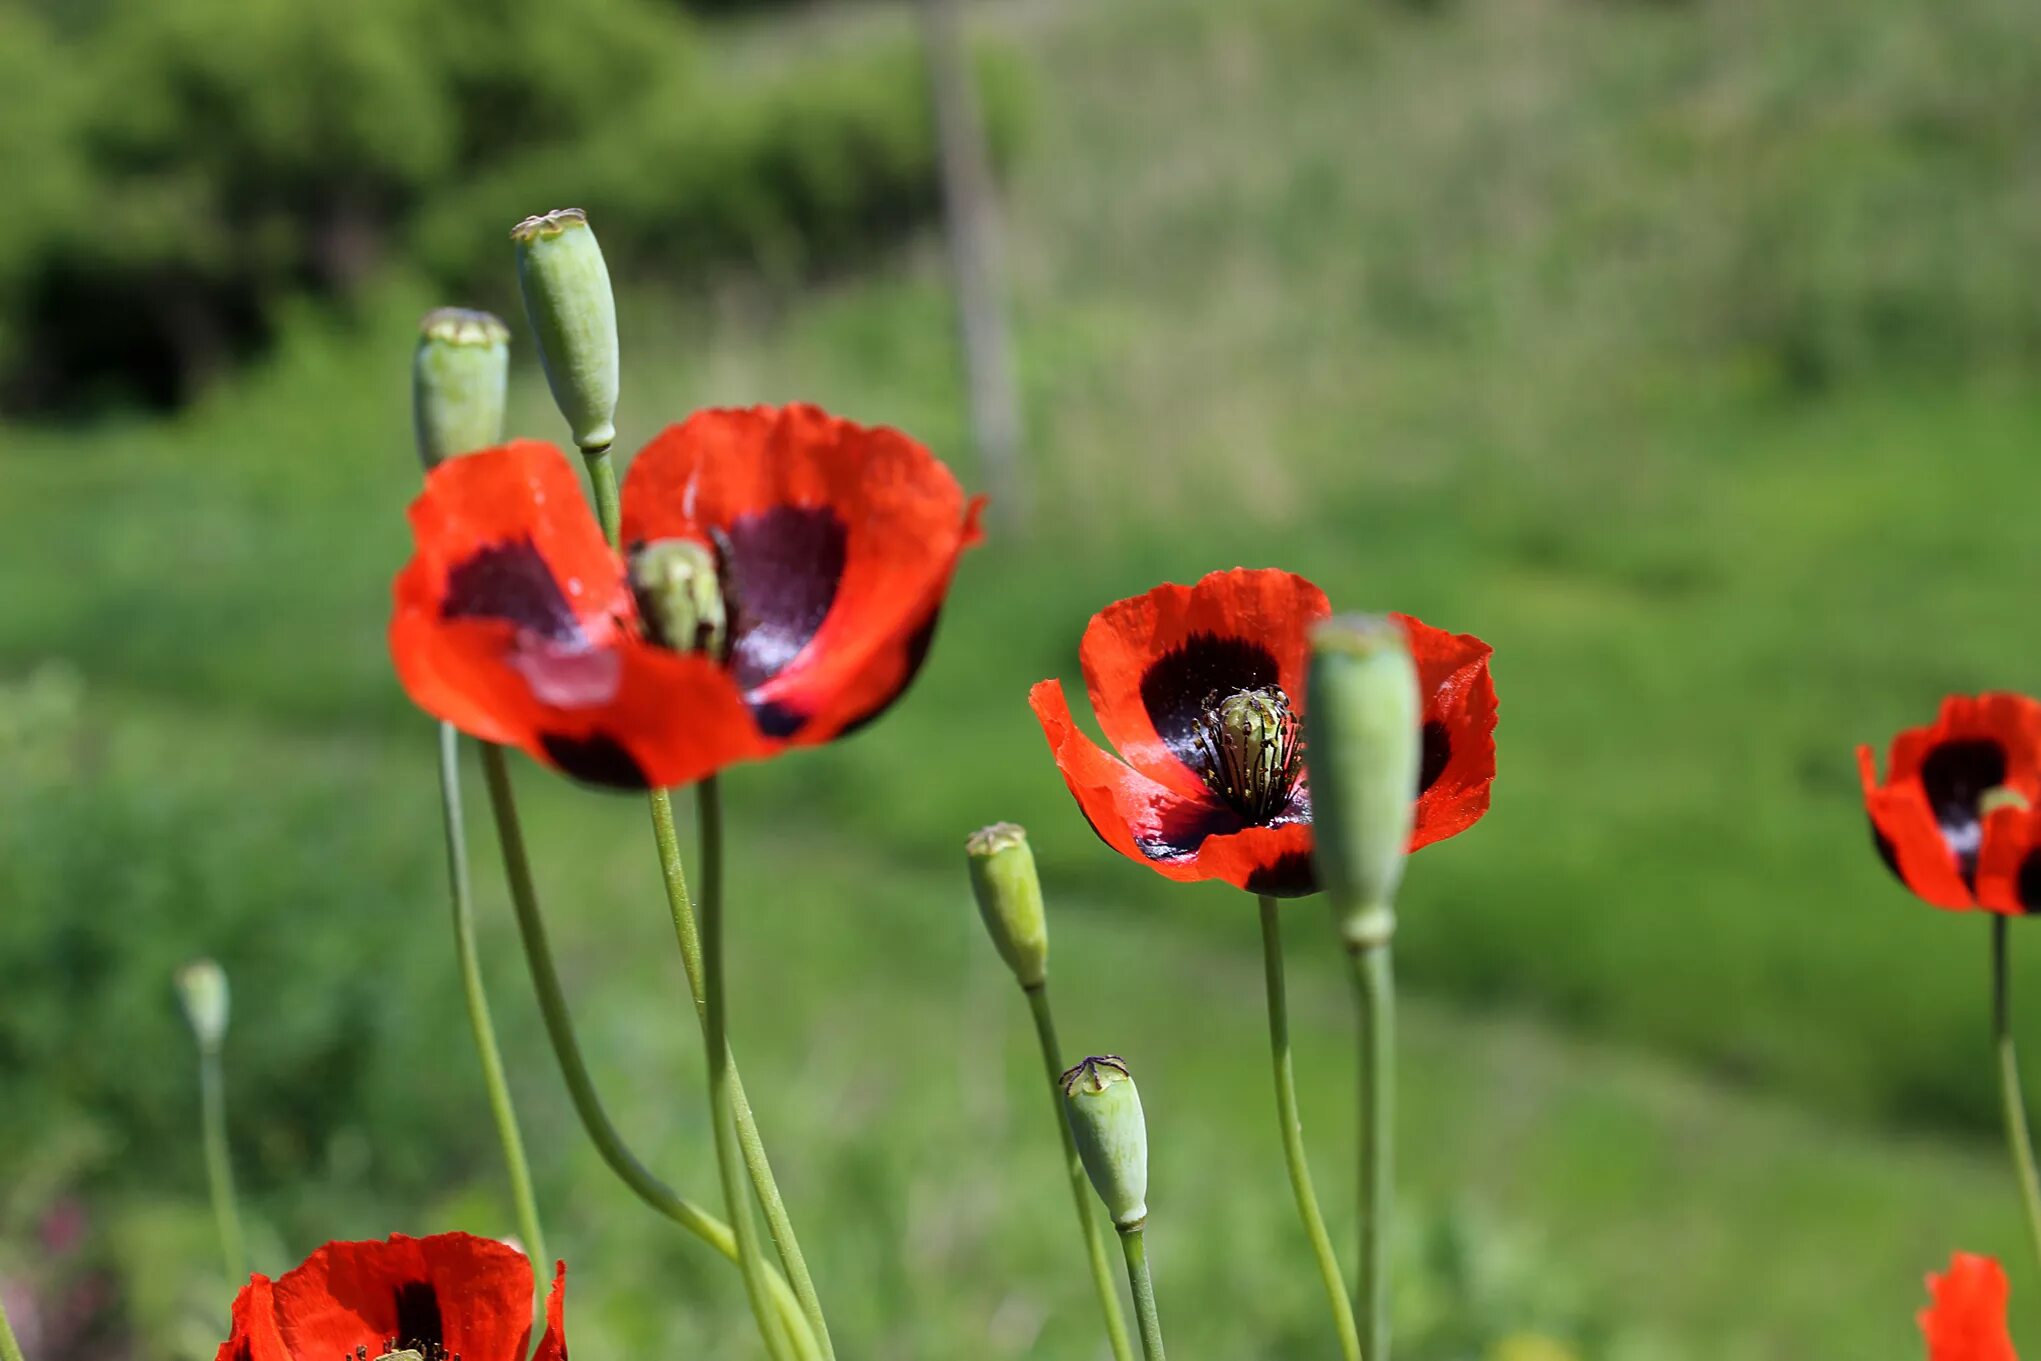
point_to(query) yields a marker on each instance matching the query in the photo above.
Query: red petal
(849, 535)
(1150, 662)
(1909, 840)
(2013, 721)
(1966, 1316)
(473, 1295)
(254, 1335)
(2009, 861)
(1459, 739)
(1183, 839)
(553, 1345)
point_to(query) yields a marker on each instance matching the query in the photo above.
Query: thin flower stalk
(2018, 1139)
(1134, 1243)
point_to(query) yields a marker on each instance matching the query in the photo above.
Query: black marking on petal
(1180, 685)
(777, 720)
(1955, 775)
(595, 759)
(2027, 886)
(1181, 830)
(1438, 751)
(510, 581)
(419, 1326)
(780, 569)
(1289, 875)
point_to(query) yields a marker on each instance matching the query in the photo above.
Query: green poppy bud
(680, 597)
(1112, 1137)
(1010, 899)
(202, 989)
(574, 317)
(1362, 744)
(458, 380)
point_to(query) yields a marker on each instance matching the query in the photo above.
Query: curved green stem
(2017, 1138)
(1135, 1245)
(212, 1091)
(1375, 991)
(1080, 1185)
(602, 476)
(469, 960)
(552, 999)
(10, 1349)
(1292, 1129)
(729, 1160)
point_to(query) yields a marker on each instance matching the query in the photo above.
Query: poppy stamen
(680, 596)
(1248, 751)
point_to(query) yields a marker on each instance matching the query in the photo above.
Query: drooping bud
(574, 318)
(1112, 1136)
(1363, 745)
(1010, 899)
(202, 989)
(680, 597)
(459, 376)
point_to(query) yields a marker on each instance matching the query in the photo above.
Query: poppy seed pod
(1010, 899)
(1363, 744)
(573, 315)
(680, 596)
(202, 989)
(1112, 1136)
(459, 376)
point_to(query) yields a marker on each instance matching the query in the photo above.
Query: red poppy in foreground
(1201, 689)
(450, 1295)
(1966, 1315)
(782, 577)
(1950, 818)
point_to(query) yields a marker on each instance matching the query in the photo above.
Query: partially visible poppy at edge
(1965, 1319)
(448, 1295)
(1957, 816)
(782, 576)
(1201, 690)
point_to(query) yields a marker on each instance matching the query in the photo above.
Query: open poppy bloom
(450, 1295)
(1201, 690)
(1966, 1315)
(1951, 817)
(781, 578)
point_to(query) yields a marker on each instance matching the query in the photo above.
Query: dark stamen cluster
(424, 1351)
(1249, 750)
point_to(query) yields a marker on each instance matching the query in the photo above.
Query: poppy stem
(602, 476)
(461, 891)
(1080, 1187)
(722, 1108)
(1375, 993)
(574, 1069)
(212, 1094)
(1292, 1131)
(2017, 1136)
(1134, 1243)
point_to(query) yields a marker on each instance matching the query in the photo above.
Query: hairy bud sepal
(680, 596)
(202, 991)
(1010, 899)
(1112, 1135)
(573, 315)
(1364, 743)
(460, 375)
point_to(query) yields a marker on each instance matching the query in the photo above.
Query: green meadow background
(1685, 350)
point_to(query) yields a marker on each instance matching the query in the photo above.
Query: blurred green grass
(1683, 351)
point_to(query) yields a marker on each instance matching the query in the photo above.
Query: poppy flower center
(1248, 751)
(414, 1351)
(680, 596)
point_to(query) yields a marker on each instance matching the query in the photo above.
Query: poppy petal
(1153, 663)
(1909, 841)
(2009, 861)
(1458, 764)
(254, 1335)
(1183, 839)
(1966, 1315)
(464, 1294)
(1975, 744)
(837, 542)
(553, 1344)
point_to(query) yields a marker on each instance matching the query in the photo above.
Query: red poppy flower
(1931, 820)
(1966, 1315)
(450, 1295)
(832, 546)
(1201, 689)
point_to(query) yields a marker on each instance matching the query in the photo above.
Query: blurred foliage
(180, 171)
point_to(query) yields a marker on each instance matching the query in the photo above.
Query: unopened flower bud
(679, 595)
(574, 317)
(1010, 899)
(1112, 1137)
(458, 379)
(1362, 744)
(202, 989)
